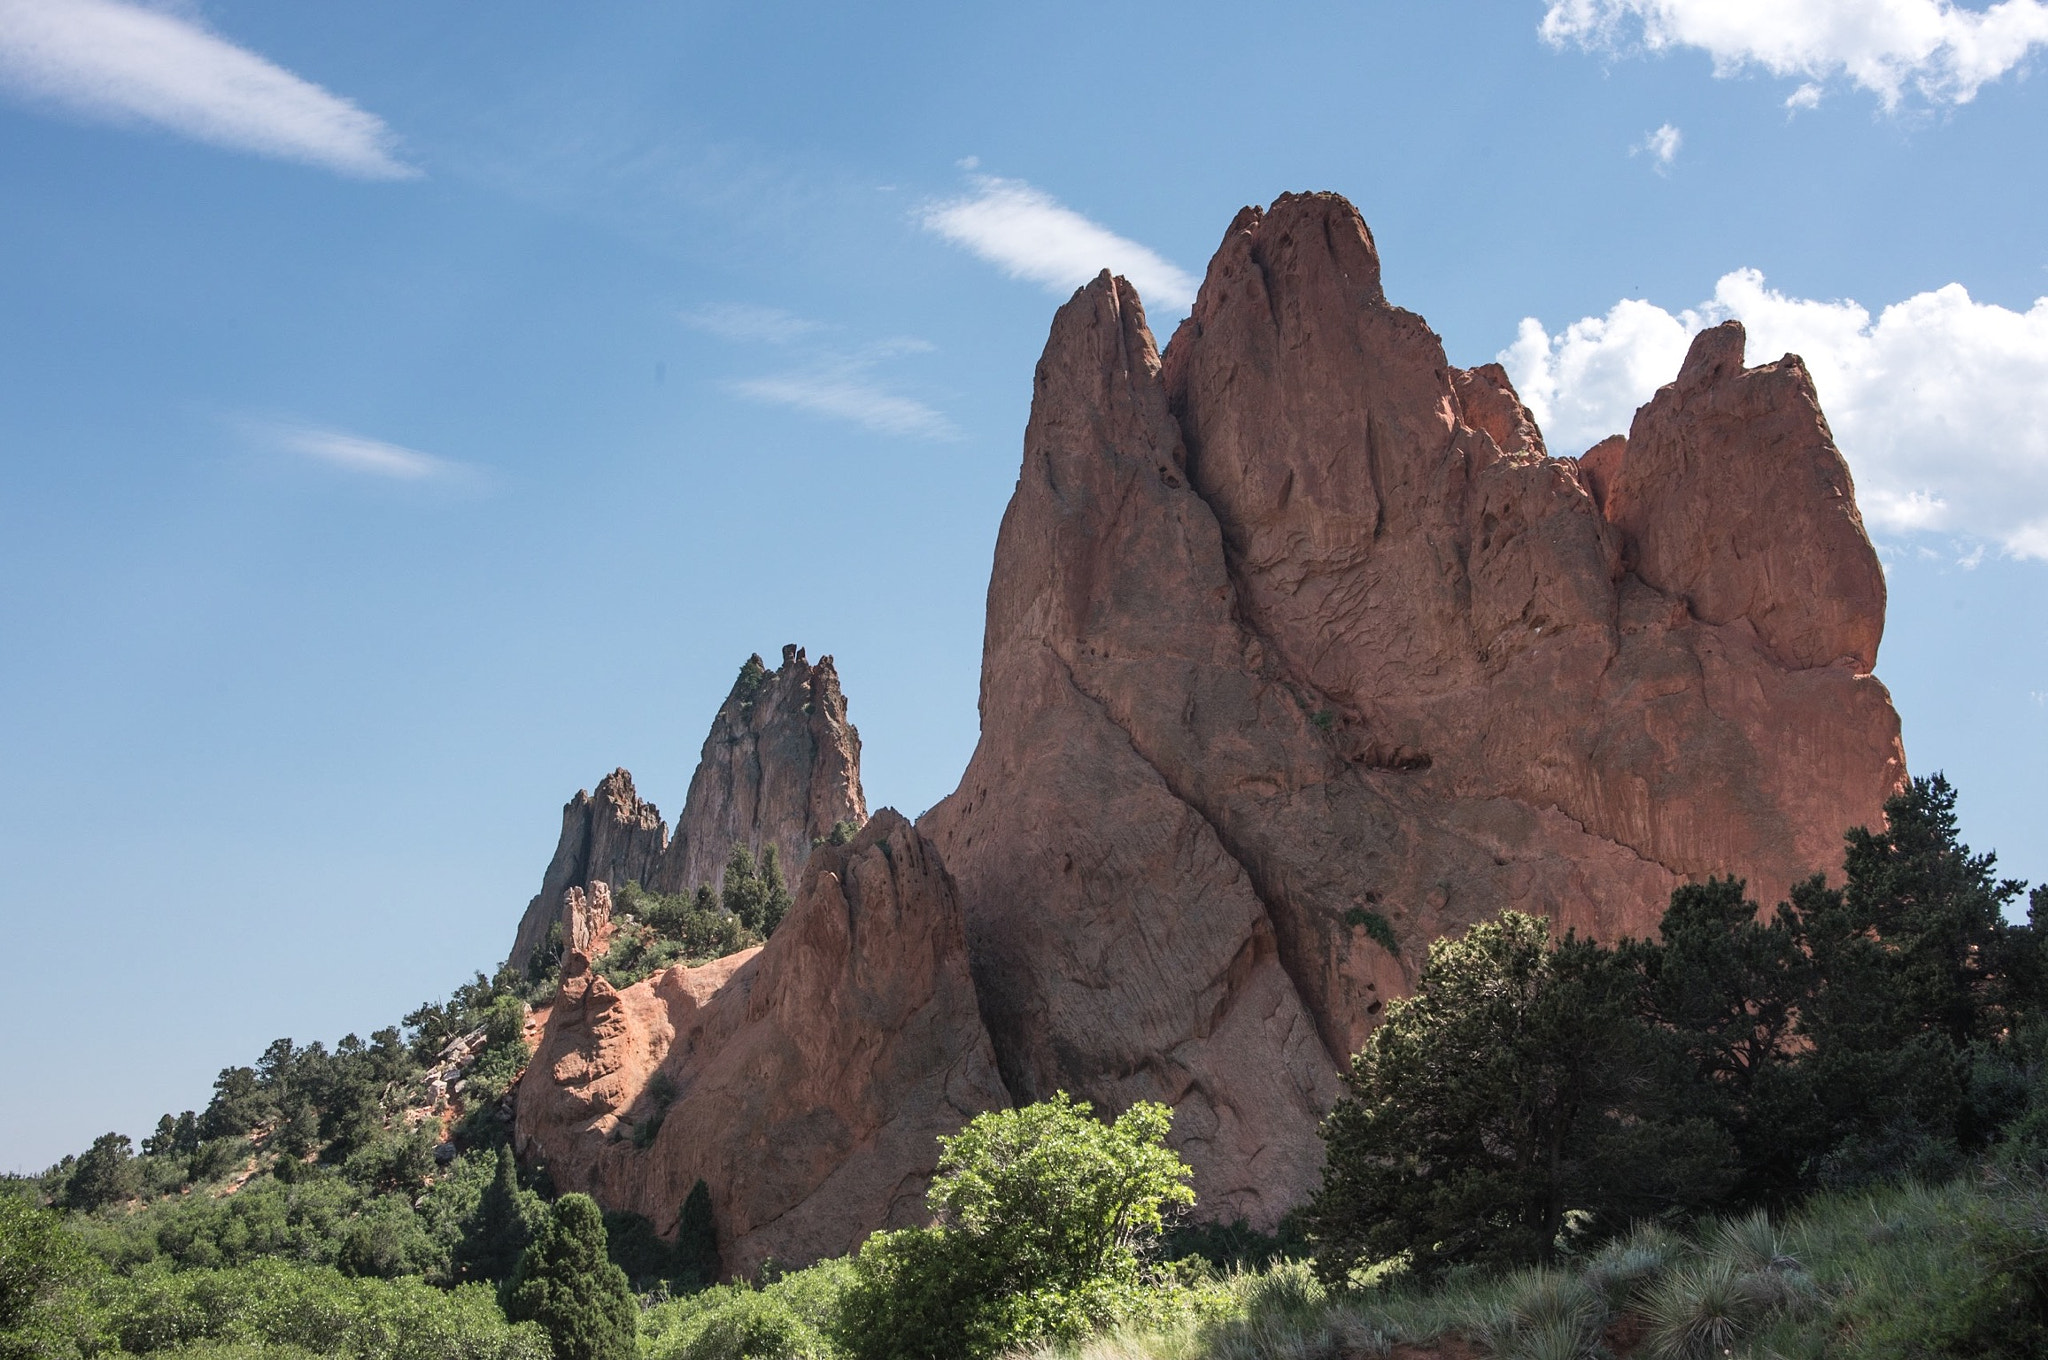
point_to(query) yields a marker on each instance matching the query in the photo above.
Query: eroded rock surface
(1303, 627)
(781, 767)
(810, 1078)
(613, 838)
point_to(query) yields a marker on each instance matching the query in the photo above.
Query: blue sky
(412, 412)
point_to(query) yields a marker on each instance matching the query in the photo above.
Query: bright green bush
(787, 1318)
(275, 1304)
(44, 1273)
(1046, 1222)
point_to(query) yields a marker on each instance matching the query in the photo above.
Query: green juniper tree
(499, 1231)
(1515, 1092)
(567, 1283)
(104, 1175)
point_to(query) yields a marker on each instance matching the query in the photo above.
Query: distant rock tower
(781, 767)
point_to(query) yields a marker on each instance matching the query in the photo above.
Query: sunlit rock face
(1301, 634)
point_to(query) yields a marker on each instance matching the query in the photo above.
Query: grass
(1905, 1271)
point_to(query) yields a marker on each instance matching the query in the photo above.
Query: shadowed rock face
(780, 767)
(811, 1077)
(1303, 626)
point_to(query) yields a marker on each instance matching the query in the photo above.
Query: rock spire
(780, 767)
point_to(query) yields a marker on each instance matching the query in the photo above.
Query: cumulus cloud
(1661, 146)
(357, 453)
(124, 63)
(1935, 401)
(1936, 47)
(1028, 234)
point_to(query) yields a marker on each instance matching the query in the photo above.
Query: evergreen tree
(502, 1226)
(1726, 988)
(775, 902)
(567, 1283)
(696, 1251)
(104, 1175)
(744, 892)
(1916, 977)
(1514, 1092)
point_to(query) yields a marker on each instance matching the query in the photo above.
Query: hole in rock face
(1166, 475)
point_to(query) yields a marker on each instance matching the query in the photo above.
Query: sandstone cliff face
(1303, 625)
(811, 1077)
(614, 838)
(781, 767)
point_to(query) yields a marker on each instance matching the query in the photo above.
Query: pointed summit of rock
(780, 767)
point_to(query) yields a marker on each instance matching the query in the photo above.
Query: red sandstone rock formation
(781, 767)
(1298, 634)
(811, 1077)
(615, 838)
(1303, 625)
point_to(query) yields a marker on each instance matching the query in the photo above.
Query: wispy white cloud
(748, 323)
(357, 453)
(846, 392)
(1028, 234)
(1934, 401)
(126, 63)
(1936, 47)
(1660, 146)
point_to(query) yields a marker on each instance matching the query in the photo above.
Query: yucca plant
(1542, 1315)
(1697, 1311)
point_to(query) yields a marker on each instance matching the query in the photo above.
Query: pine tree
(567, 1283)
(696, 1251)
(775, 901)
(502, 1226)
(744, 893)
(1514, 1093)
(104, 1175)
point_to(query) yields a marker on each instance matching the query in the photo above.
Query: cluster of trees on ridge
(1524, 1146)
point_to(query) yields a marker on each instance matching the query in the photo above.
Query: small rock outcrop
(781, 767)
(805, 1082)
(1299, 642)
